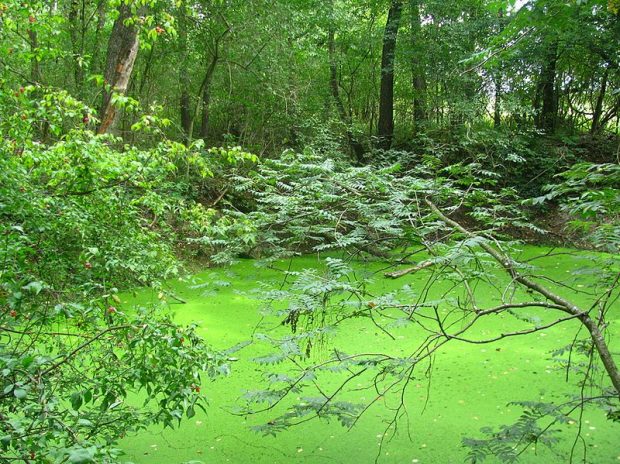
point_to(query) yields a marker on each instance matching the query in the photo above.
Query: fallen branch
(409, 270)
(219, 198)
(174, 297)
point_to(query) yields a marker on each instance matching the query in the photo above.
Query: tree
(205, 86)
(385, 126)
(184, 78)
(497, 103)
(546, 119)
(418, 75)
(72, 355)
(123, 47)
(334, 85)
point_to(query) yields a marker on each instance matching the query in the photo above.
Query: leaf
(34, 287)
(82, 455)
(76, 400)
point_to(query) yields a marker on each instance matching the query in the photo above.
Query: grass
(471, 385)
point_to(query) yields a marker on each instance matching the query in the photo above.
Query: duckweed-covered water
(471, 385)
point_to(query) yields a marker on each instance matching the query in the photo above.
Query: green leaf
(34, 287)
(82, 455)
(76, 400)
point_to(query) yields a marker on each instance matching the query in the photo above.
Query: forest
(273, 231)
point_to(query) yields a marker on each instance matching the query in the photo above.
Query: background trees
(269, 73)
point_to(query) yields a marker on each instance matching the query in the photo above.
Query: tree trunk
(121, 57)
(345, 117)
(76, 46)
(598, 108)
(35, 71)
(419, 100)
(497, 104)
(145, 76)
(96, 52)
(385, 129)
(418, 76)
(205, 87)
(206, 95)
(548, 113)
(184, 81)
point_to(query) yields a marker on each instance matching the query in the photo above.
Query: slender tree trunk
(96, 64)
(144, 78)
(613, 112)
(206, 95)
(35, 71)
(345, 117)
(497, 104)
(385, 129)
(548, 113)
(419, 100)
(121, 57)
(418, 76)
(184, 80)
(76, 48)
(598, 108)
(205, 88)
(536, 102)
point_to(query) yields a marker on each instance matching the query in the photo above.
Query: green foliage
(542, 423)
(307, 203)
(83, 215)
(78, 219)
(590, 193)
(507, 443)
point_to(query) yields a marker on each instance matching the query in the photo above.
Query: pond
(471, 385)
